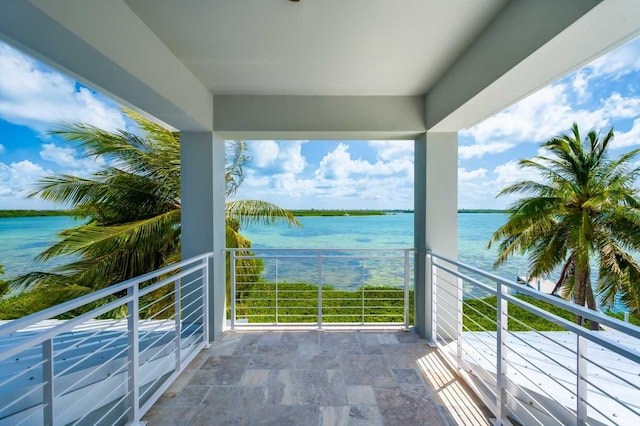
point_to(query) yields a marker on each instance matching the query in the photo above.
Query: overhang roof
(317, 47)
(289, 70)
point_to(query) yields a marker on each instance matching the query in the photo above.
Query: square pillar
(202, 186)
(436, 222)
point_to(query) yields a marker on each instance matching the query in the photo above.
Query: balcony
(362, 377)
(317, 73)
(335, 360)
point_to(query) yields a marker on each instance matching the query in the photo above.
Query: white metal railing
(89, 369)
(524, 355)
(320, 286)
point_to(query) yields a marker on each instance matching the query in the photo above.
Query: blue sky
(323, 174)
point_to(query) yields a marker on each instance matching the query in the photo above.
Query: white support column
(436, 223)
(203, 227)
(422, 292)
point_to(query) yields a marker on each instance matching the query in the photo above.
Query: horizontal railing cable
(54, 311)
(539, 372)
(291, 287)
(89, 369)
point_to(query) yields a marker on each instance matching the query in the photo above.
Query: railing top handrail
(599, 317)
(570, 326)
(322, 249)
(54, 311)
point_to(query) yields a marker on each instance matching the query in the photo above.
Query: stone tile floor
(313, 378)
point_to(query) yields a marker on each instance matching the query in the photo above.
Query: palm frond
(584, 204)
(248, 212)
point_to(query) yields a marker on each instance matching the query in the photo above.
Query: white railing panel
(276, 287)
(93, 370)
(521, 351)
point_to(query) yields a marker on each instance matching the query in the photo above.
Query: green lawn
(298, 302)
(480, 315)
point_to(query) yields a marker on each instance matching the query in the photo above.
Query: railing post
(433, 271)
(133, 349)
(581, 375)
(460, 322)
(406, 290)
(501, 355)
(232, 279)
(277, 292)
(319, 289)
(178, 324)
(205, 301)
(48, 377)
(362, 285)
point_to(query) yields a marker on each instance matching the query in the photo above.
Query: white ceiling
(317, 47)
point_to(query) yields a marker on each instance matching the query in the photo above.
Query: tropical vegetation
(582, 213)
(298, 303)
(34, 213)
(4, 286)
(130, 209)
(323, 212)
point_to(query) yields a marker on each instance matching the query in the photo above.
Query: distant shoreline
(315, 212)
(483, 211)
(300, 213)
(35, 213)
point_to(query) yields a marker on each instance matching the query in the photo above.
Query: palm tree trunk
(579, 290)
(591, 302)
(564, 275)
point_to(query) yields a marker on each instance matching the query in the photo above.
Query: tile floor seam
(396, 362)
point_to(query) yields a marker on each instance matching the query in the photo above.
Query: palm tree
(584, 208)
(131, 208)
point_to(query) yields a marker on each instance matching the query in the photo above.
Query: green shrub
(298, 302)
(4, 286)
(26, 303)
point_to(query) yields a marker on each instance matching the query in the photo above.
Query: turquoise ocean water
(390, 231)
(22, 239)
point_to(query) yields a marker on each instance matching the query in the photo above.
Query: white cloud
(291, 156)
(580, 84)
(511, 172)
(545, 114)
(38, 97)
(628, 138)
(338, 181)
(17, 179)
(277, 157)
(618, 62)
(479, 188)
(617, 106)
(67, 158)
(479, 150)
(1, 148)
(471, 175)
(263, 153)
(393, 150)
(542, 115)
(255, 181)
(338, 164)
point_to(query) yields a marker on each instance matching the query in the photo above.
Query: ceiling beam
(319, 117)
(527, 46)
